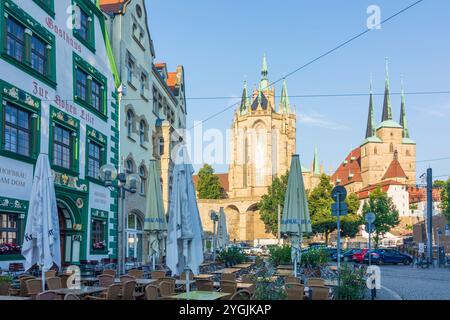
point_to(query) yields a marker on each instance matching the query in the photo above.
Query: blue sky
(221, 43)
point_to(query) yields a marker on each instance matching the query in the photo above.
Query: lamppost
(214, 218)
(125, 183)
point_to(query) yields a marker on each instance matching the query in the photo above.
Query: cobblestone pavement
(411, 283)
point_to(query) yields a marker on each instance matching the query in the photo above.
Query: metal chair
(71, 296)
(172, 282)
(241, 295)
(295, 291)
(166, 289)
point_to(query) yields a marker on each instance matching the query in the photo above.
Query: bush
(280, 254)
(266, 288)
(231, 256)
(352, 284)
(6, 279)
(315, 258)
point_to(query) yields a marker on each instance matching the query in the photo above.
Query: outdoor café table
(201, 295)
(284, 273)
(83, 291)
(203, 276)
(285, 267)
(14, 298)
(227, 270)
(240, 285)
(243, 265)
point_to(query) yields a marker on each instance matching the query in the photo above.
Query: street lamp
(125, 183)
(214, 218)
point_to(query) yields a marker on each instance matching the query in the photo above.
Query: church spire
(403, 121)
(285, 106)
(316, 166)
(387, 110)
(264, 85)
(370, 131)
(244, 102)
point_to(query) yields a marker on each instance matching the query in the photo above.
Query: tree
(208, 185)
(320, 202)
(439, 184)
(386, 214)
(352, 221)
(268, 206)
(445, 199)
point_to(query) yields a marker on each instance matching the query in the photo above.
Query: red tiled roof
(172, 80)
(223, 180)
(365, 192)
(420, 194)
(395, 170)
(160, 65)
(113, 6)
(353, 166)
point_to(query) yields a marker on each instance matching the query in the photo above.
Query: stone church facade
(263, 141)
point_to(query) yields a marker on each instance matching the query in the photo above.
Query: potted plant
(5, 284)
(231, 256)
(352, 284)
(314, 260)
(280, 254)
(267, 287)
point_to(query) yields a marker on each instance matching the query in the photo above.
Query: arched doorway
(135, 237)
(70, 237)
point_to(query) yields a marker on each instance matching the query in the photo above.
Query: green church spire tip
(316, 166)
(387, 109)
(285, 106)
(403, 121)
(244, 101)
(264, 84)
(370, 131)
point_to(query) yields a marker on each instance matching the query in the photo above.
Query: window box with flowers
(99, 232)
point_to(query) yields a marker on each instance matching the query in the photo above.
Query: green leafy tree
(352, 221)
(320, 202)
(439, 184)
(445, 199)
(268, 206)
(386, 214)
(208, 185)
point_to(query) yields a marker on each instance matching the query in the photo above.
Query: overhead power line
(343, 44)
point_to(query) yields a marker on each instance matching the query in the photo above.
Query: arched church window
(375, 150)
(391, 147)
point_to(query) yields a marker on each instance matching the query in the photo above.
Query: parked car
(358, 256)
(381, 256)
(346, 255)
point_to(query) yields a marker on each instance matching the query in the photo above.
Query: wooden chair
(295, 291)
(151, 292)
(64, 277)
(227, 286)
(47, 295)
(166, 289)
(113, 293)
(138, 274)
(158, 274)
(247, 278)
(22, 291)
(4, 288)
(292, 279)
(241, 295)
(319, 293)
(172, 282)
(204, 285)
(228, 276)
(34, 287)
(128, 290)
(53, 283)
(71, 296)
(183, 276)
(105, 280)
(109, 272)
(316, 282)
(50, 274)
(126, 278)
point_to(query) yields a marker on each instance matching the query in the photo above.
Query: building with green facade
(58, 96)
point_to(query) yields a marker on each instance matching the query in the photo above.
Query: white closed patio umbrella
(155, 219)
(222, 233)
(41, 242)
(296, 219)
(184, 243)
